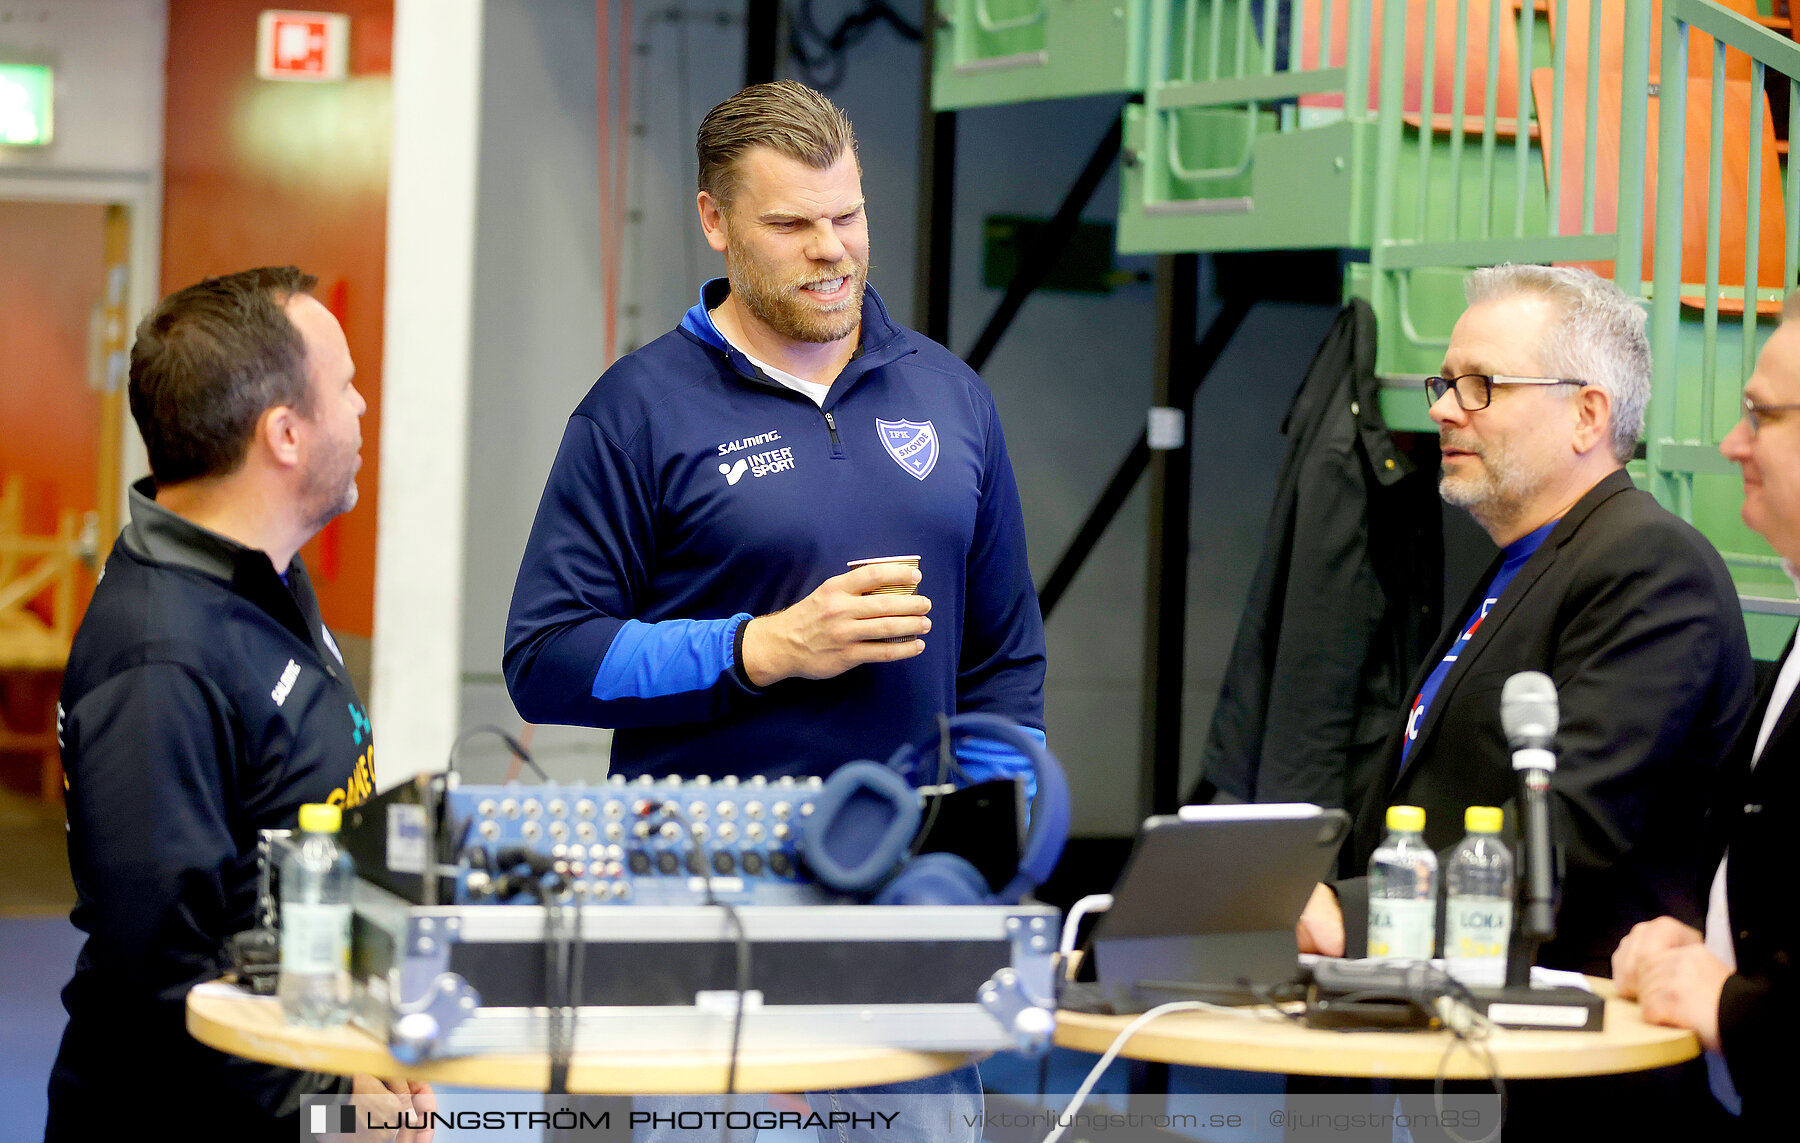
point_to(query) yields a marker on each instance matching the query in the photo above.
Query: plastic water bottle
(1478, 920)
(1403, 890)
(316, 882)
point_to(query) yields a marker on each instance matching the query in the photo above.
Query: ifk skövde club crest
(912, 444)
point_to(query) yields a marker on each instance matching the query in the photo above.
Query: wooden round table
(224, 1017)
(1251, 1043)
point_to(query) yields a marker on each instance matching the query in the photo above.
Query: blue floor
(37, 955)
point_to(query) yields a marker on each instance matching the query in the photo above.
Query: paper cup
(890, 589)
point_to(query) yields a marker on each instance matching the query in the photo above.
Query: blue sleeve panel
(675, 656)
(983, 760)
(583, 575)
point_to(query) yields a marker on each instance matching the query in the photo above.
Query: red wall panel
(267, 173)
(51, 277)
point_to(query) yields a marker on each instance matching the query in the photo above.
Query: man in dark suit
(1627, 608)
(1733, 981)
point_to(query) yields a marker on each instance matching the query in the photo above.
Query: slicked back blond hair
(787, 117)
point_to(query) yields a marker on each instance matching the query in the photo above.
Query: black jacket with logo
(203, 701)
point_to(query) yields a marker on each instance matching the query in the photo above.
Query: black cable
(1274, 1002)
(562, 955)
(556, 977)
(834, 46)
(1430, 988)
(1453, 990)
(512, 744)
(743, 956)
(946, 760)
(563, 936)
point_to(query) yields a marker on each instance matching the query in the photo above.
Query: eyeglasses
(1475, 391)
(1756, 414)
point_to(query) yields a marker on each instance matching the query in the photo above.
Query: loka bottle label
(1401, 929)
(314, 938)
(1477, 927)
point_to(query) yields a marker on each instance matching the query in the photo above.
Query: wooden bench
(33, 649)
(1443, 79)
(1569, 138)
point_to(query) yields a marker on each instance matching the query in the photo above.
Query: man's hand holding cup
(870, 614)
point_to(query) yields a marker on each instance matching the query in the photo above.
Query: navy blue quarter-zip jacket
(691, 493)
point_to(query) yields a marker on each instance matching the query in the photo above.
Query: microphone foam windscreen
(1528, 710)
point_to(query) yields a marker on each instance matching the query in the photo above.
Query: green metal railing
(1700, 367)
(1213, 56)
(1285, 137)
(991, 52)
(1385, 125)
(1466, 197)
(1215, 155)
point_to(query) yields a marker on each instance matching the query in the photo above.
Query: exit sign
(302, 45)
(25, 91)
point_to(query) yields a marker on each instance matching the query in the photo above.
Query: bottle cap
(1482, 819)
(317, 817)
(1406, 819)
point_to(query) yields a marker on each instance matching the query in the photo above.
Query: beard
(1499, 488)
(776, 300)
(330, 486)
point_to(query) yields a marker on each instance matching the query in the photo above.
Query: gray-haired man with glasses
(1733, 980)
(1628, 610)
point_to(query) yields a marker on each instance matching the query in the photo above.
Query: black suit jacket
(1632, 615)
(1757, 814)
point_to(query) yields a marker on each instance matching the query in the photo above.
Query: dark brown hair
(790, 118)
(208, 360)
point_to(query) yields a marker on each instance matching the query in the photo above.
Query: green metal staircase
(1431, 136)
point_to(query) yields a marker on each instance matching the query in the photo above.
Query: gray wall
(1072, 377)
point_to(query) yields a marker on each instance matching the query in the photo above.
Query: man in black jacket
(1627, 608)
(204, 700)
(1733, 981)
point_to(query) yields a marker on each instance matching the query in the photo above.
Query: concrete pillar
(420, 558)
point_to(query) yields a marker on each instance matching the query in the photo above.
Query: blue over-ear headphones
(865, 818)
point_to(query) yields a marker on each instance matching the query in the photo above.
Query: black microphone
(1528, 714)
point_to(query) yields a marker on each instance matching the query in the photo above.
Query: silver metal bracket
(1023, 998)
(419, 1027)
(1005, 998)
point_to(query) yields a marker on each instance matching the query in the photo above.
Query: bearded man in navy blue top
(685, 578)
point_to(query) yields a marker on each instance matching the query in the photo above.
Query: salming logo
(743, 443)
(734, 472)
(286, 683)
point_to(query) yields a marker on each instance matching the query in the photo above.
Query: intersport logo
(761, 464)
